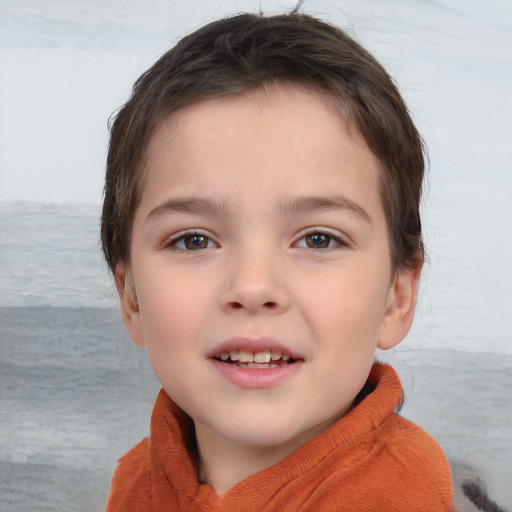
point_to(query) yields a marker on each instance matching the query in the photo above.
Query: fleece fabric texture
(370, 460)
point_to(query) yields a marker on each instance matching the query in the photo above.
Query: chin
(266, 434)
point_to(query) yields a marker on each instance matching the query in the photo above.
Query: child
(261, 220)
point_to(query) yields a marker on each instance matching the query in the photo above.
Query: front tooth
(245, 357)
(262, 357)
(275, 356)
(233, 355)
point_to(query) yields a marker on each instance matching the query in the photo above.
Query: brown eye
(193, 242)
(318, 241)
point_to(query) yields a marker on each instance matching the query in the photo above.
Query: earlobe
(130, 312)
(400, 307)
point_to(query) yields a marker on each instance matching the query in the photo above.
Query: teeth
(262, 357)
(245, 357)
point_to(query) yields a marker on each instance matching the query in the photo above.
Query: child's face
(261, 229)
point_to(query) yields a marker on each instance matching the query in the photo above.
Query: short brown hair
(249, 51)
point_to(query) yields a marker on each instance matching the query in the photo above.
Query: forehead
(268, 140)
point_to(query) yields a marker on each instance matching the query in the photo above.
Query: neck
(223, 464)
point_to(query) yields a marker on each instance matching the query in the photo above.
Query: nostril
(267, 305)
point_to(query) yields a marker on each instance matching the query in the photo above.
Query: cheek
(349, 309)
(171, 306)
(171, 321)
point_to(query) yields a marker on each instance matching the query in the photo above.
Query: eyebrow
(288, 206)
(191, 205)
(304, 204)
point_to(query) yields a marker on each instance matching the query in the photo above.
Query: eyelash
(181, 237)
(339, 241)
(174, 241)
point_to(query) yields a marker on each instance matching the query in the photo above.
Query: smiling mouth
(264, 359)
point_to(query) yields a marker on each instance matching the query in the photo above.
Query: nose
(255, 284)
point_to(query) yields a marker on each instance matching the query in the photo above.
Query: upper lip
(252, 345)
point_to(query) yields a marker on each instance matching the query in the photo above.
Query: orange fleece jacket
(370, 460)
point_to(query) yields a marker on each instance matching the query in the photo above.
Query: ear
(400, 306)
(130, 312)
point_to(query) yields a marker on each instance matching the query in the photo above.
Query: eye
(192, 242)
(320, 240)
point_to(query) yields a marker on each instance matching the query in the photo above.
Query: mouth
(260, 360)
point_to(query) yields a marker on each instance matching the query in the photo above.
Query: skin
(225, 245)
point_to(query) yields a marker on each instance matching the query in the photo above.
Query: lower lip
(254, 377)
